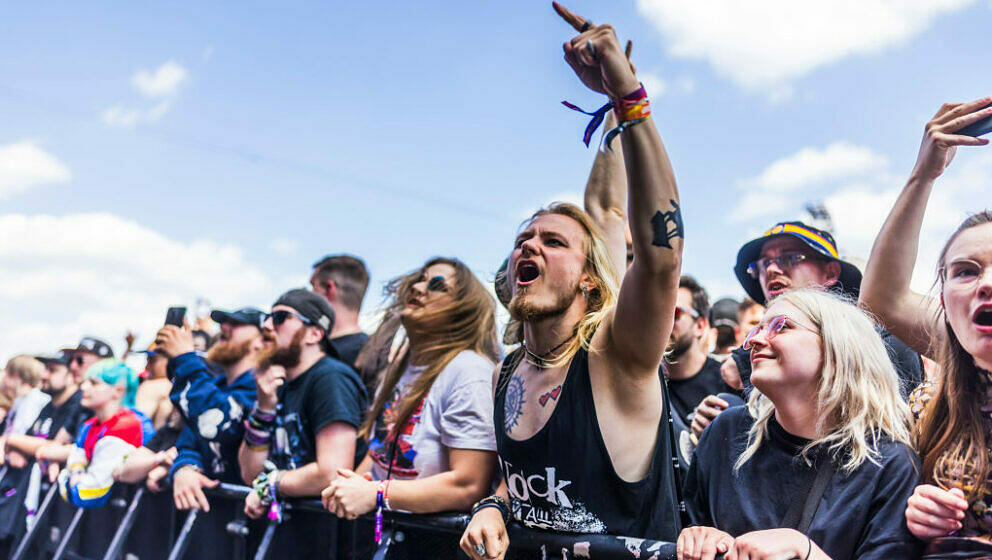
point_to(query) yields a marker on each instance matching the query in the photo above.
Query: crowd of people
(832, 414)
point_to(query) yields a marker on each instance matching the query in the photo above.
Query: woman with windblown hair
(953, 508)
(818, 464)
(430, 428)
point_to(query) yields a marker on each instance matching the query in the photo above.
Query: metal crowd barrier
(531, 542)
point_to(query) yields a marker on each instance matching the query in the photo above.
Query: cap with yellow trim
(818, 240)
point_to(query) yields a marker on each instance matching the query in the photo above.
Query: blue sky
(153, 154)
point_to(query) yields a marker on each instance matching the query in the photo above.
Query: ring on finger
(585, 26)
(591, 47)
(480, 550)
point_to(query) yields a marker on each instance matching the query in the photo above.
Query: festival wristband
(630, 109)
(496, 502)
(256, 438)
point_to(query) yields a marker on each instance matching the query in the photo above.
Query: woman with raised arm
(430, 428)
(953, 427)
(818, 465)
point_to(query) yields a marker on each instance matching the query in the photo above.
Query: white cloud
(811, 166)
(24, 165)
(100, 274)
(765, 45)
(163, 82)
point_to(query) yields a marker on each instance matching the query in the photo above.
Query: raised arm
(885, 290)
(638, 332)
(606, 197)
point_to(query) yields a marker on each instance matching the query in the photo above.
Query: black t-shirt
(861, 514)
(688, 393)
(349, 345)
(70, 415)
(329, 391)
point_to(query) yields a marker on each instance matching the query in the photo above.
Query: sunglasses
(786, 261)
(680, 311)
(279, 317)
(435, 284)
(775, 326)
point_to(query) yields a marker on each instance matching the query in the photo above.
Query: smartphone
(175, 316)
(978, 128)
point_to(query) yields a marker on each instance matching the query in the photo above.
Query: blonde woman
(818, 464)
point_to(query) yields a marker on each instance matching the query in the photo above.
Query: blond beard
(229, 353)
(522, 309)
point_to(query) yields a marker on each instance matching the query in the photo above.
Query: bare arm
(335, 450)
(138, 465)
(885, 290)
(606, 197)
(636, 335)
(251, 461)
(467, 482)
(26, 445)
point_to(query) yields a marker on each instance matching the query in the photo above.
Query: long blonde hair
(601, 298)
(467, 323)
(858, 400)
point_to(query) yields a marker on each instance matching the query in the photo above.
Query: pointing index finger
(576, 21)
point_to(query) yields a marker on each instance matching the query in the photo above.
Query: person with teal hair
(106, 439)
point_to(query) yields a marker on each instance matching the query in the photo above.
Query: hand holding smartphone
(979, 127)
(175, 316)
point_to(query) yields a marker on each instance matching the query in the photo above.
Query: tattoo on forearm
(663, 232)
(550, 395)
(513, 403)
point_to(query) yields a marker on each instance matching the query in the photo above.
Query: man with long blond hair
(579, 410)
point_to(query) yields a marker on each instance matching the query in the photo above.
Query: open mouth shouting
(527, 272)
(982, 318)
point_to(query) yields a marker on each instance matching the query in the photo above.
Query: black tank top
(562, 478)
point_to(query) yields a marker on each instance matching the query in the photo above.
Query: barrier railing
(522, 540)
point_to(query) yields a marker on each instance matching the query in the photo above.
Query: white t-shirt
(457, 413)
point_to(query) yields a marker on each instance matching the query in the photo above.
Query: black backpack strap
(801, 512)
(510, 363)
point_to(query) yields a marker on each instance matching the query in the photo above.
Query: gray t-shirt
(457, 413)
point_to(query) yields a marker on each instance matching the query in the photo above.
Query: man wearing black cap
(214, 406)
(305, 421)
(723, 320)
(88, 352)
(793, 255)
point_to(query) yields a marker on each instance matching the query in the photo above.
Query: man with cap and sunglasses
(303, 427)
(213, 405)
(793, 255)
(88, 352)
(214, 397)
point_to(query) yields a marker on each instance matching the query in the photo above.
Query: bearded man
(579, 415)
(303, 428)
(214, 405)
